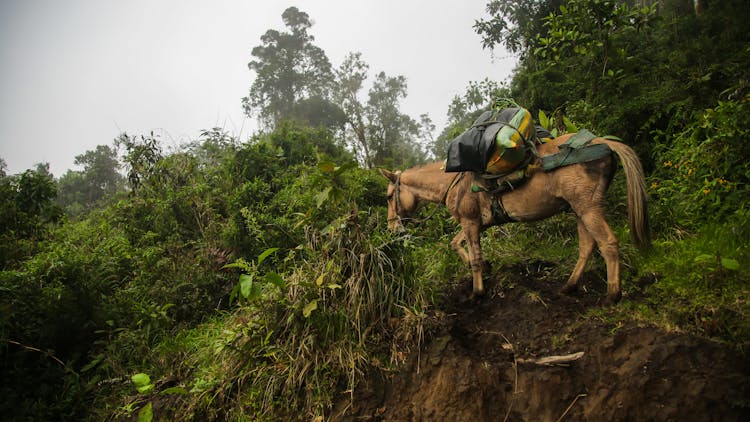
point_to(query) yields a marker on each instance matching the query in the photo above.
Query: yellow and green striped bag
(510, 148)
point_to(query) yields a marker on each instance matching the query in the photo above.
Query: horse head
(401, 200)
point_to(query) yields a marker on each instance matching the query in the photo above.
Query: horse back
(546, 193)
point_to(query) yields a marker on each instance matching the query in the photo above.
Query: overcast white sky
(74, 74)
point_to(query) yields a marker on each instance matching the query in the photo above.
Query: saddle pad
(568, 156)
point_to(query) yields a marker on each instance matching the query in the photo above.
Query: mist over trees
(252, 279)
(295, 81)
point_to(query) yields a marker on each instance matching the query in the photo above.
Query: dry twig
(554, 360)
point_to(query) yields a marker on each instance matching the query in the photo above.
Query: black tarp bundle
(473, 149)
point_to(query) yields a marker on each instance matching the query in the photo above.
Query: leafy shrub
(704, 174)
(700, 282)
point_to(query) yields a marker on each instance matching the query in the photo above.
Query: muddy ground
(480, 364)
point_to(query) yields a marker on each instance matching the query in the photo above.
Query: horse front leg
(472, 233)
(458, 247)
(457, 244)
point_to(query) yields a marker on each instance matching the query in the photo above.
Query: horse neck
(428, 182)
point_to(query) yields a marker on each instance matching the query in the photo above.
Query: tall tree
(28, 207)
(515, 24)
(140, 157)
(378, 132)
(350, 78)
(289, 70)
(99, 177)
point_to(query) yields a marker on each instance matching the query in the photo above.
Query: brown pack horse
(579, 187)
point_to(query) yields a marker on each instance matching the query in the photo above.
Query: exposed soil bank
(480, 365)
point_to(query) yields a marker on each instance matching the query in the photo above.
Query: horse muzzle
(395, 225)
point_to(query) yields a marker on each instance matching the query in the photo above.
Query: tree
(289, 70)
(99, 178)
(350, 77)
(28, 208)
(140, 157)
(515, 24)
(378, 132)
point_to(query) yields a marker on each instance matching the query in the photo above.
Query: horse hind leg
(596, 225)
(586, 244)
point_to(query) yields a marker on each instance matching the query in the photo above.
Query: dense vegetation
(254, 279)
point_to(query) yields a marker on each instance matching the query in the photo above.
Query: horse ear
(391, 176)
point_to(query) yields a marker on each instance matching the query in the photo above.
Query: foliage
(700, 282)
(704, 174)
(254, 279)
(140, 157)
(296, 82)
(311, 329)
(622, 69)
(80, 191)
(289, 69)
(379, 133)
(28, 208)
(515, 24)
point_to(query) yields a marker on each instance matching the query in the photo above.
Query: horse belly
(533, 201)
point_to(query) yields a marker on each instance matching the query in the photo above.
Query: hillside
(481, 363)
(256, 278)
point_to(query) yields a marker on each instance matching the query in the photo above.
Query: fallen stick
(553, 360)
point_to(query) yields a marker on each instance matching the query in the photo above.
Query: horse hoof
(569, 289)
(476, 295)
(486, 267)
(612, 298)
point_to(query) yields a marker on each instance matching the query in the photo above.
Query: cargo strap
(499, 214)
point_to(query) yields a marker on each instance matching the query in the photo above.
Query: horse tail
(636, 186)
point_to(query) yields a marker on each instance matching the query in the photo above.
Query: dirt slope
(479, 366)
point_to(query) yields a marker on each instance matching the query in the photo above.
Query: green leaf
(233, 293)
(146, 414)
(241, 264)
(255, 292)
(141, 379)
(262, 257)
(543, 119)
(93, 363)
(276, 280)
(704, 258)
(322, 196)
(569, 126)
(246, 285)
(730, 264)
(344, 168)
(309, 308)
(333, 286)
(142, 383)
(327, 167)
(320, 279)
(175, 390)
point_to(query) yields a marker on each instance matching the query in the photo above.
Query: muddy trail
(485, 362)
